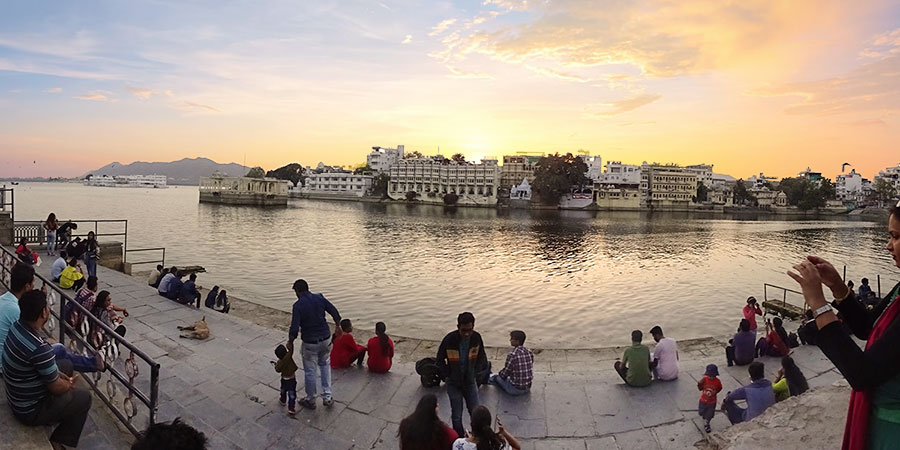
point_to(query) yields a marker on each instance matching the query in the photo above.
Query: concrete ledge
(18, 436)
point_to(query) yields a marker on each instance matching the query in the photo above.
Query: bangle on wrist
(843, 297)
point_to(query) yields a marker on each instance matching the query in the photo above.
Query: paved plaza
(227, 388)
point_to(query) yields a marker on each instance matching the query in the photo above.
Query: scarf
(856, 431)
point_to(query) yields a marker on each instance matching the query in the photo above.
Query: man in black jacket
(460, 358)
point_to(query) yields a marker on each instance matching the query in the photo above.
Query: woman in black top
(873, 420)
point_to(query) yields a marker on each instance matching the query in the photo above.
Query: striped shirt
(29, 366)
(519, 366)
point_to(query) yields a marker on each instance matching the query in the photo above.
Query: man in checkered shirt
(515, 377)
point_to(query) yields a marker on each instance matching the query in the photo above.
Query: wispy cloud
(614, 108)
(441, 27)
(407, 39)
(97, 96)
(191, 106)
(142, 93)
(53, 90)
(558, 74)
(458, 73)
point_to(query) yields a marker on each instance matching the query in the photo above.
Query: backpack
(792, 341)
(430, 374)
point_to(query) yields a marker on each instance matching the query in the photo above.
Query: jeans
(469, 392)
(79, 363)
(289, 392)
(51, 242)
(69, 410)
(507, 387)
(316, 356)
(91, 265)
(734, 412)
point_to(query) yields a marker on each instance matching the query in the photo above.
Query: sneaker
(292, 411)
(708, 428)
(307, 403)
(328, 401)
(282, 402)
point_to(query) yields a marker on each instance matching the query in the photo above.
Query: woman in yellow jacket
(71, 277)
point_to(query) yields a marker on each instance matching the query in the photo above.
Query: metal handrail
(108, 351)
(4, 191)
(784, 291)
(41, 236)
(162, 261)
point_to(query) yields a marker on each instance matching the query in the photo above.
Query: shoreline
(276, 319)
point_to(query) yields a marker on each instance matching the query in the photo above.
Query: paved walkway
(227, 388)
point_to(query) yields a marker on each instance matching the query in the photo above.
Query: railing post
(879, 286)
(845, 273)
(125, 244)
(164, 258)
(62, 318)
(154, 391)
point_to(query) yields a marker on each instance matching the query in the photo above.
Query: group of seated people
(638, 366)
(168, 284)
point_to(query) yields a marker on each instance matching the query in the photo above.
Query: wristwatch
(822, 310)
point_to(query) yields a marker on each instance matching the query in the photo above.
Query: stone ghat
(226, 387)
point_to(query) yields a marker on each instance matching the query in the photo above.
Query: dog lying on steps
(199, 330)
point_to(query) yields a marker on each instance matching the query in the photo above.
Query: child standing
(287, 368)
(709, 387)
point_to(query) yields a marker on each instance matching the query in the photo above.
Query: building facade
(620, 174)
(667, 186)
(243, 191)
(768, 199)
(382, 158)
(516, 168)
(431, 178)
(704, 173)
(607, 196)
(522, 191)
(891, 175)
(594, 167)
(850, 187)
(340, 184)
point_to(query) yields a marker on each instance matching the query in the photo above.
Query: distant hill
(186, 171)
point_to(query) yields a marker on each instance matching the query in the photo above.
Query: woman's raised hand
(810, 281)
(830, 276)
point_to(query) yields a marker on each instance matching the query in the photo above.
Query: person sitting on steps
(634, 368)
(742, 348)
(345, 350)
(516, 376)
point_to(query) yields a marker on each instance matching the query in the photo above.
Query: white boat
(133, 181)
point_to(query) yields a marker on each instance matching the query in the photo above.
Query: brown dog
(199, 330)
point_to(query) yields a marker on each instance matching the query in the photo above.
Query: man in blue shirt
(308, 319)
(41, 388)
(189, 293)
(758, 394)
(58, 266)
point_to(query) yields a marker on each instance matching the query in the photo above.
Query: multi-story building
(608, 196)
(850, 187)
(667, 186)
(516, 168)
(339, 184)
(721, 198)
(382, 158)
(810, 175)
(761, 180)
(620, 174)
(431, 178)
(704, 173)
(891, 175)
(594, 167)
(766, 198)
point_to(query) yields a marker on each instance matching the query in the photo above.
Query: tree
(702, 193)
(555, 175)
(806, 194)
(256, 172)
(380, 185)
(458, 157)
(411, 196)
(741, 195)
(292, 172)
(450, 199)
(362, 170)
(884, 191)
(413, 154)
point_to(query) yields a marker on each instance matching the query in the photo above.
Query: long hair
(50, 219)
(481, 429)
(796, 380)
(100, 303)
(422, 430)
(780, 330)
(383, 338)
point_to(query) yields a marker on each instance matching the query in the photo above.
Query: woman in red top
(423, 430)
(345, 350)
(775, 343)
(380, 349)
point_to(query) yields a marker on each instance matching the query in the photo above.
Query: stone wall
(112, 255)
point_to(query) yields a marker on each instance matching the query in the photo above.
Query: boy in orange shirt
(709, 387)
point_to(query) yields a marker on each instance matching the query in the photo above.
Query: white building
(761, 180)
(133, 181)
(704, 173)
(620, 174)
(667, 186)
(594, 167)
(430, 178)
(522, 191)
(849, 187)
(722, 182)
(891, 175)
(337, 183)
(382, 158)
(243, 190)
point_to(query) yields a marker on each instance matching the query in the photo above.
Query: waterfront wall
(6, 228)
(112, 255)
(243, 198)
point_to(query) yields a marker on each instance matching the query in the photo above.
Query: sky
(749, 86)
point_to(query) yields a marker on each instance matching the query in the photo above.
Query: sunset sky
(749, 86)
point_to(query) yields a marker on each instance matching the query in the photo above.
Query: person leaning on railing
(873, 420)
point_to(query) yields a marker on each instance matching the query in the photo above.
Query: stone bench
(18, 436)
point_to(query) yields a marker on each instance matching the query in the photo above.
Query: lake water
(569, 279)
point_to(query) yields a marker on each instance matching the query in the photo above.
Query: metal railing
(782, 293)
(34, 233)
(93, 337)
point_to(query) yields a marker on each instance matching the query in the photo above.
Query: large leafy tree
(458, 157)
(702, 193)
(883, 190)
(555, 175)
(412, 155)
(741, 195)
(380, 184)
(292, 172)
(806, 194)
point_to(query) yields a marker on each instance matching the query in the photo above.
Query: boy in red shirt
(709, 387)
(345, 349)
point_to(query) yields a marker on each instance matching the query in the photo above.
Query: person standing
(308, 320)
(517, 374)
(459, 357)
(758, 394)
(709, 387)
(634, 368)
(751, 311)
(91, 254)
(664, 359)
(51, 225)
(40, 388)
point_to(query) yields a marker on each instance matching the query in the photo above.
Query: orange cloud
(97, 96)
(622, 106)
